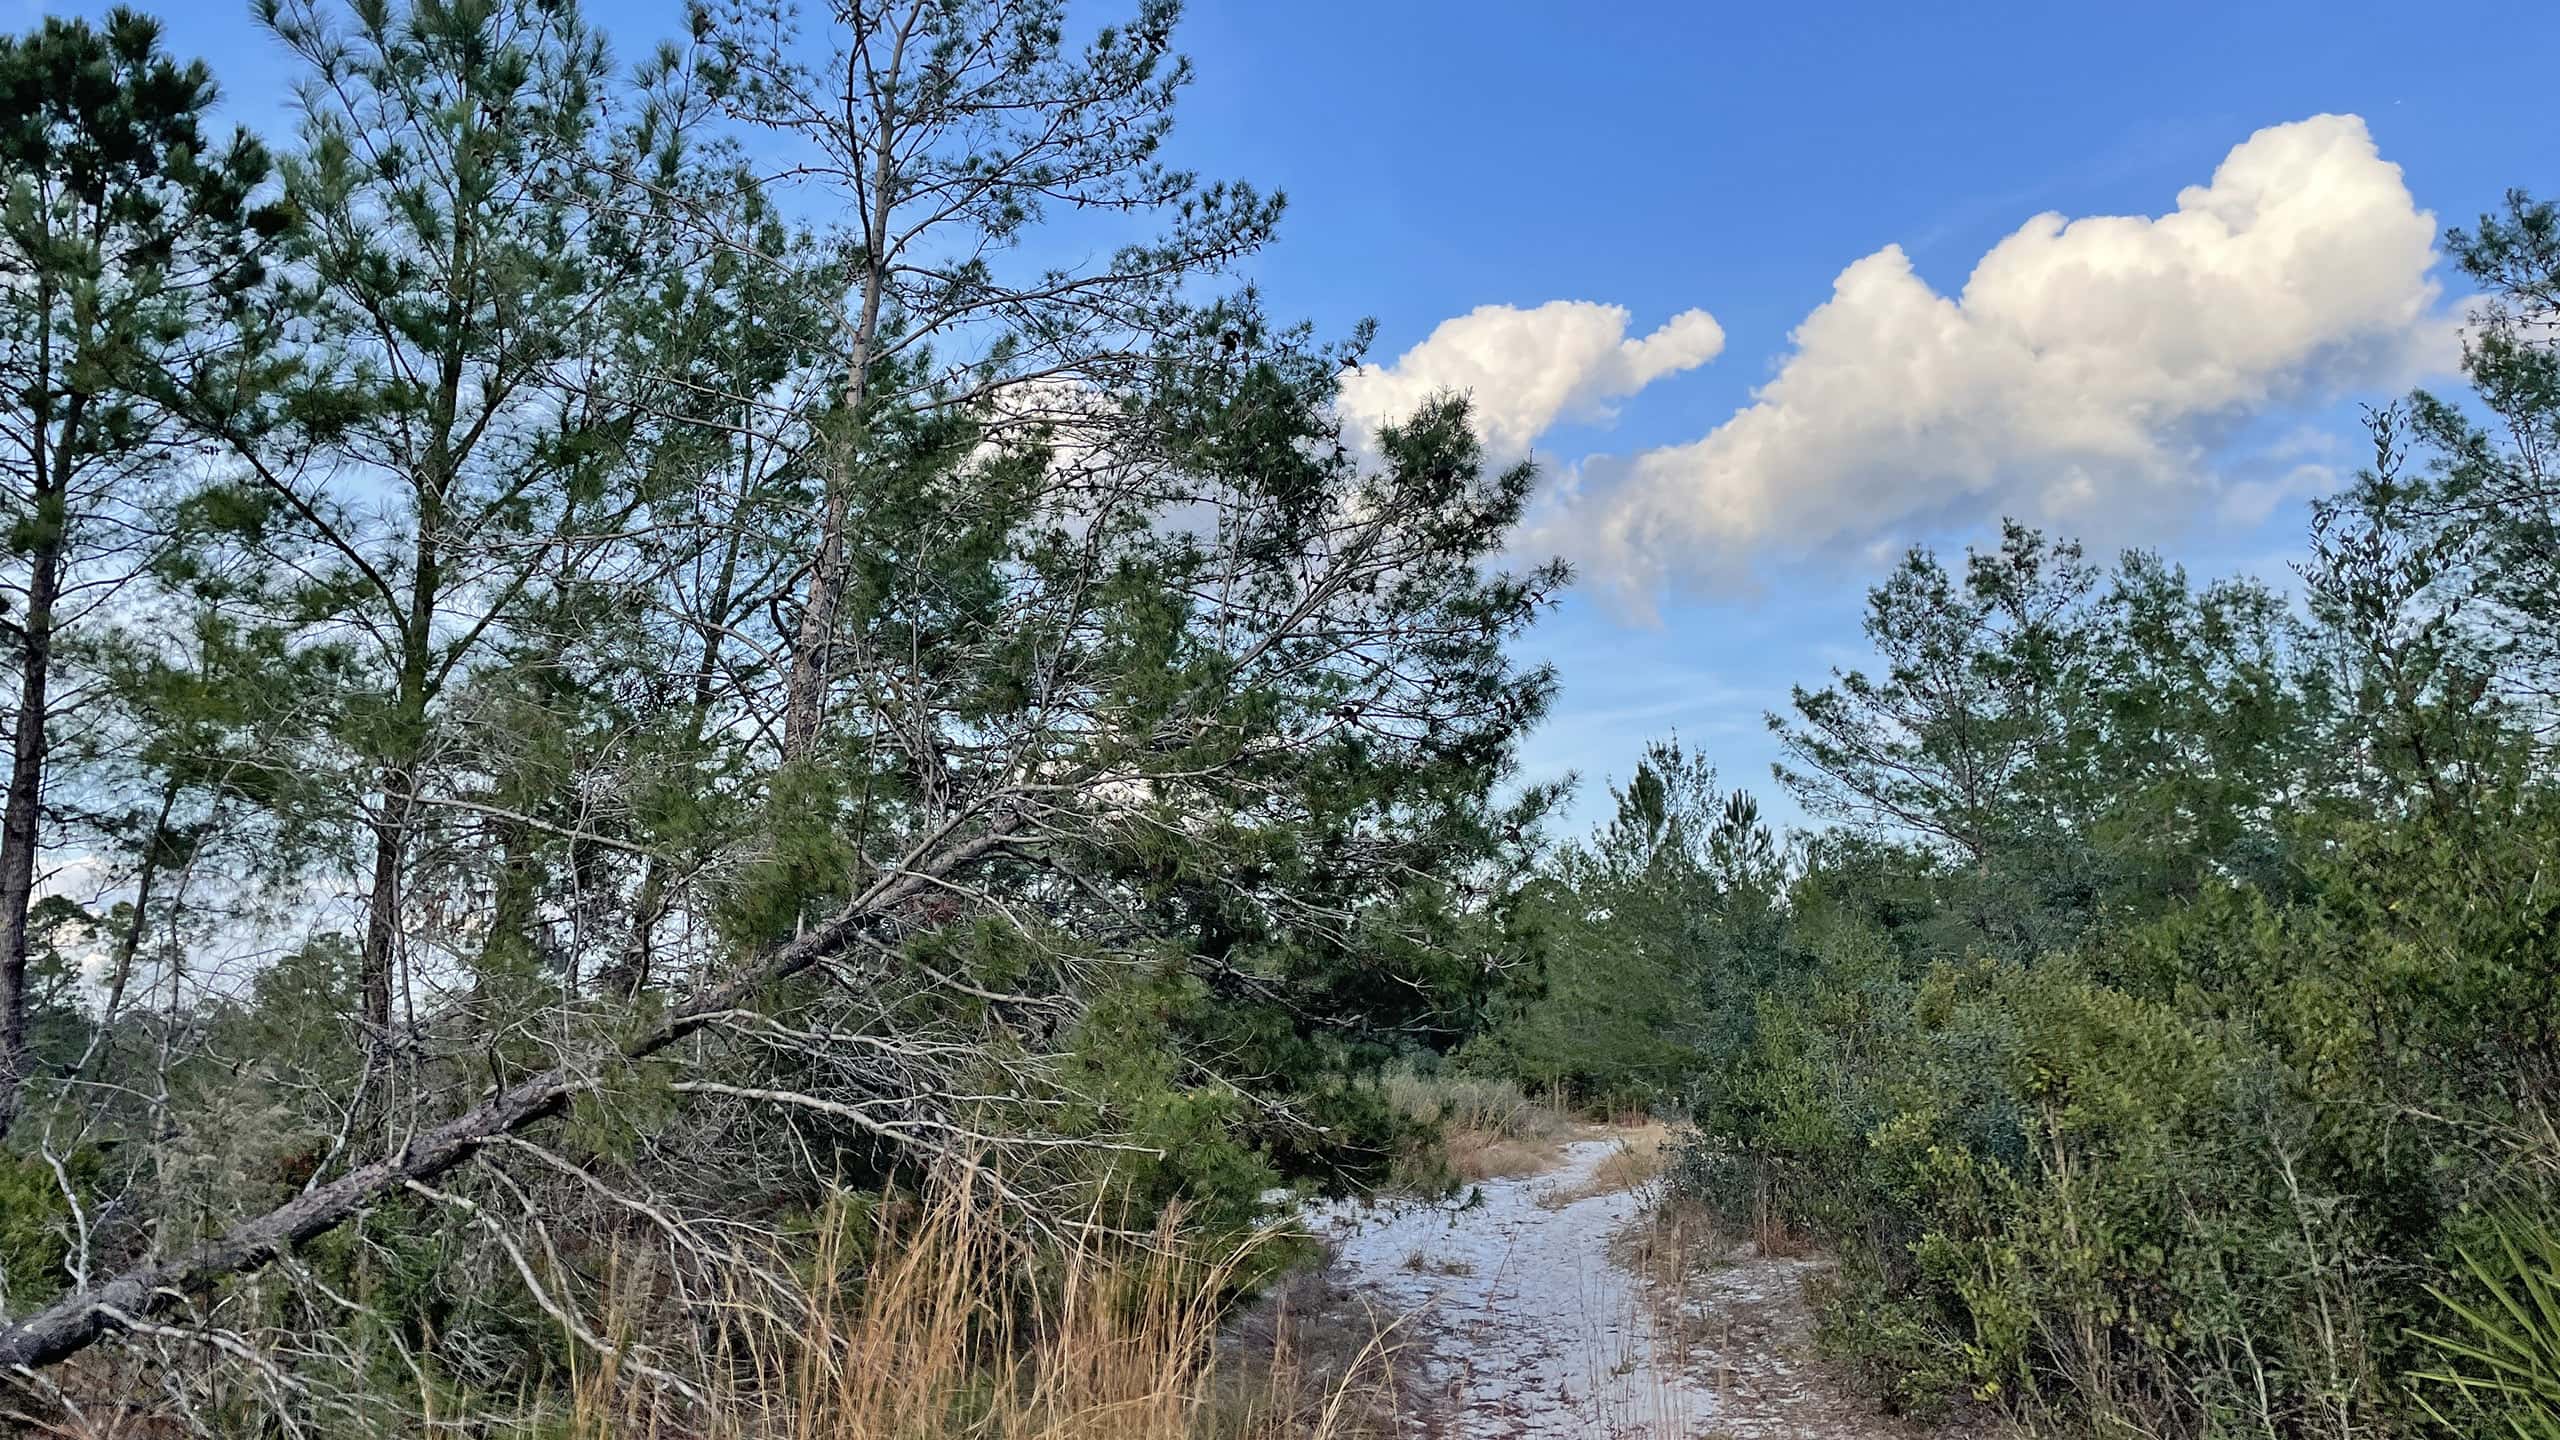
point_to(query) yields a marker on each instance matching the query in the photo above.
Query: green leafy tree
(1157, 821)
(2396, 586)
(2487, 495)
(2437, 570)
(1635, 970)
(1982, 676)
(2212, 724)
(735, 342)
(1964, 742)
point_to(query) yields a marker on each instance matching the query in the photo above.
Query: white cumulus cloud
(1527, 369)
(2083, 377)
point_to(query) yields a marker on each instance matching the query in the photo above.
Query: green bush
(2200, 1175)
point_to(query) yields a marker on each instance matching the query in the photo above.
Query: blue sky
(1446, 156)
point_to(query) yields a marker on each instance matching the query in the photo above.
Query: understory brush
(2500, 1363)
(1470, 1128)
(937, 1320)
(936, 1314)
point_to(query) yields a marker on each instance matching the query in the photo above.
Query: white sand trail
(1517, 1321)
(1522, 1326)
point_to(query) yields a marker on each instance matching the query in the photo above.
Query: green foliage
(445, 738)
(2190, 1176)
(129, 236)
(1183, 1141)
(612, 583)
(2182, 988)
(35, 1232)
(2504, 1364)
(124, 225)
(1654, 939)
(1982, 675)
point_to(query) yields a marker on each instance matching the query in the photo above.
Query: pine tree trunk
(138, 920)
(382, 907)
(20, 823)
(804, 698)
(399, 786)
(804, 701)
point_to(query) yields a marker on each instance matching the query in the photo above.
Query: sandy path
(1519, 1323)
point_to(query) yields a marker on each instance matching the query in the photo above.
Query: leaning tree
(880, 708)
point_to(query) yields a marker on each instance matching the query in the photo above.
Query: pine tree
(955, 135)
(128, 231)
(1983, 672)
(454, 448)
(1157, 774)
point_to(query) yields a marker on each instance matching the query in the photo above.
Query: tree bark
(382, 908)
(137, 922)
(399, 784)
(20, 822)
(805, 695)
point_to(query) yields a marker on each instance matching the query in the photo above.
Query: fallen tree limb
(77, 1321)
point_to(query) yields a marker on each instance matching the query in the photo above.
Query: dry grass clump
(954, 1328)
(1673, 1241)
(1309, 1358)
(1488, 1129)
(1496, 1106)
(1473, 1155)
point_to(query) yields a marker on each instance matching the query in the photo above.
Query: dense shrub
(2199, 1175)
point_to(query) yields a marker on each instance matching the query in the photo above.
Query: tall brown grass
(942, 1322)
(1481, 1128)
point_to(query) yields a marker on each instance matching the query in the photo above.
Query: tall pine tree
(128, 228)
